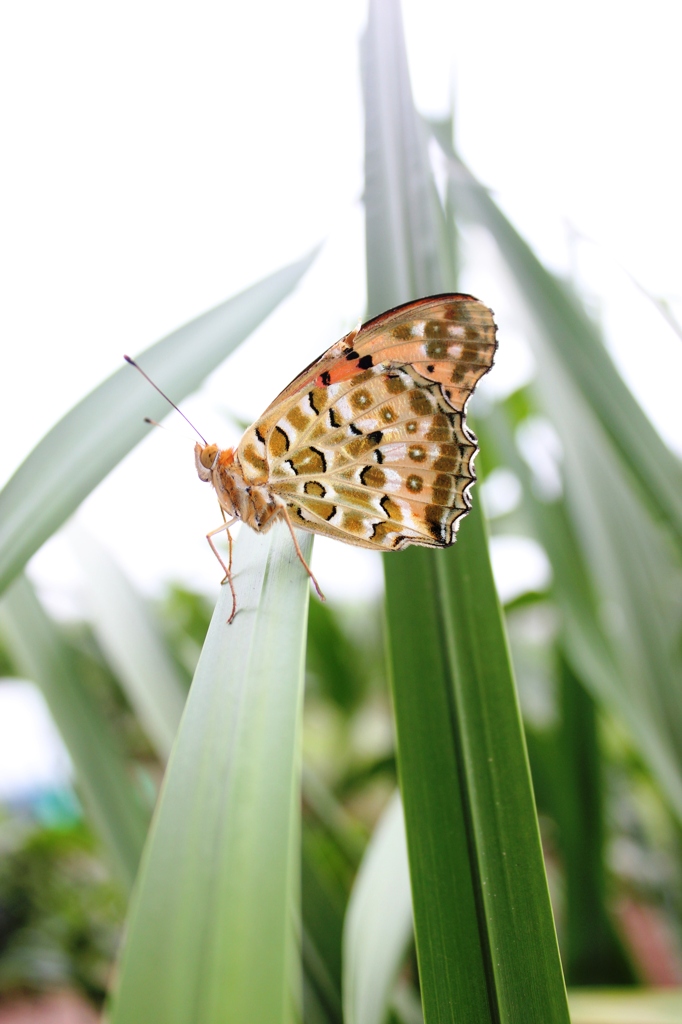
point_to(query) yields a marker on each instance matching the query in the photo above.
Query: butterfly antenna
(163, 395)
(169, 430)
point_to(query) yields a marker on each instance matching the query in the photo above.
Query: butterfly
(369, 444)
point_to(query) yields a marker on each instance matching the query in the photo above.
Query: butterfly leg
(229, 538)
(228, 568)
(285, 513)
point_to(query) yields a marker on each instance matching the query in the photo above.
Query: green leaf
(636, 571)
(114, 806)
(405, 230)
(331, 850)
(519, 924)
(336, 664)
(210, 937)
(486, 944)
(95, 435)
(593, 953)
(450, 946)
(322, 911)
(127, 633)
(378, 924)
(617, 579)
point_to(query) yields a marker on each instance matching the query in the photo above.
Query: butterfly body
(253, 504)
(369, 444)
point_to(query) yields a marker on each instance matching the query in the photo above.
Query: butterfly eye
(208, 454)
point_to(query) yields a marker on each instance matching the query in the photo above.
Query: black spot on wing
(311, 403)
(370, 476)
(365, 363)
(326, 378)
(434, 520)
(353, 429)
(352, 355)
(290, 463)
(285, 437)
(334, 421)
(437, 531)
(259, 436)
(315, 489)
(378, 455)
(375, 437)
(321, 454)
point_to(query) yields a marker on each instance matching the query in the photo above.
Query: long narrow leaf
(451, 957)
(518, 917)
(637, 573)
(378, 921)
(211, 930)
(453, 969)
(95, 435)
(622, 526)
(593, 953)
(576, 344)
(132, 643)
(405, 230)
(331, 849)
(486, 945)
(114, 806)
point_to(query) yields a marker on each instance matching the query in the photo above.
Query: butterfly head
(206, 457)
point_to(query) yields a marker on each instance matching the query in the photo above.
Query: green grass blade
(337, 666)
(114, 806)
(611, 565)
(565, 754)
(635, 569)
(575, 343)
(451, 957)
(210, 935)
(95, 435)
(515, 900)
(451, 952)
(378, 924)
(593, 953)
(405, 228)
(485, 938)
(331, 849)
(132, 642)
(322, 915)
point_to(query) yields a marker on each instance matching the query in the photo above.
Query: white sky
(159, 157)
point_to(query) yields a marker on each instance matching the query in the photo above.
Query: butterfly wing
(369, 444)
(446, 339)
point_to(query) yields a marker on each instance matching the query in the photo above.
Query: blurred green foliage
(61, 913)
(606, 830)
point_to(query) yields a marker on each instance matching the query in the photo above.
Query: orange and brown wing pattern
(375, 450)
(447, 339)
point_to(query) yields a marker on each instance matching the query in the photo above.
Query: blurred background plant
(571, 468)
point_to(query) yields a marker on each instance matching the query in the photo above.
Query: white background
(159, 157)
